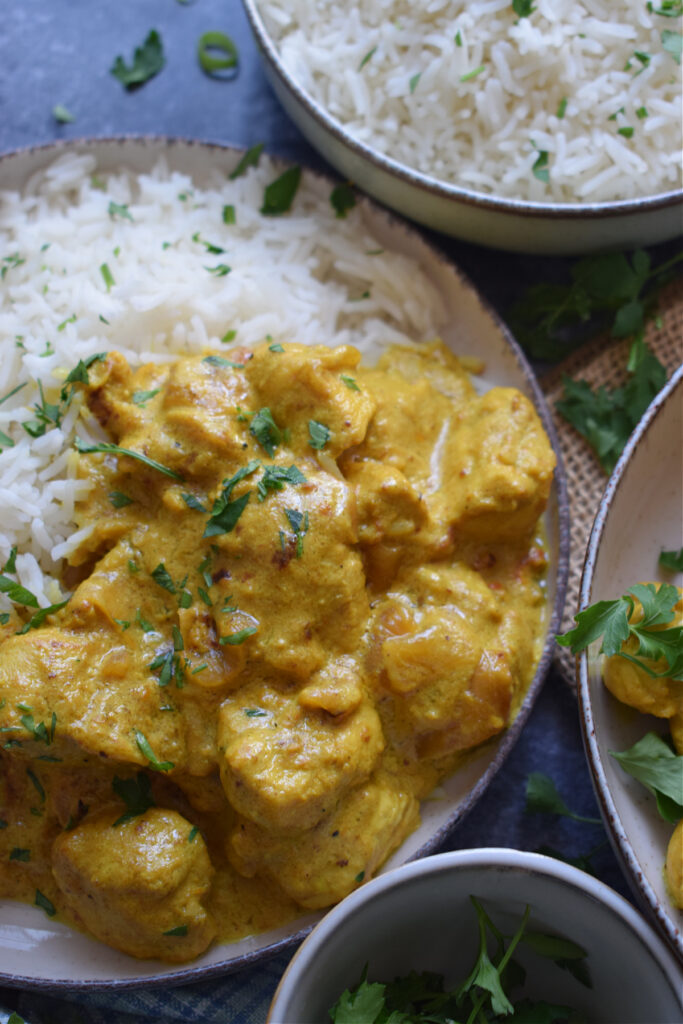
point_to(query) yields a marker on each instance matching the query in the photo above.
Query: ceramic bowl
(37, 951)
(515, 225)
(419, 917)
(640, 514)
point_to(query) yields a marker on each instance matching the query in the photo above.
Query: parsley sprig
(484, 995)
(614, 621)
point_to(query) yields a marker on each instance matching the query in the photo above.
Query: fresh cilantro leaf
(180, 930)
(368, 56)
(234, 639)
(250, 159)
(136, 794)
(652, 761)
(275, 477)
(279, 194)
(607, 418)
(229, 214)
(44, 903)
(225, 513)
(222, 362)
(21, 854)
(119, 210)
(350, 383)
(146, 750)
(162, 576)
(319, 434)
(523, 8)
(360, 1005)
(141, 398)
(673, 44)
(542, 797)
(672, 560)
(107, 448)
(119, 500)
(17, 593)
(343, 199)
(193, 502)
(540, 167)
(39, 618)
(266, 431)
(148, 60)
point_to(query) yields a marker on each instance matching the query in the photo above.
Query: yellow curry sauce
(318, 588)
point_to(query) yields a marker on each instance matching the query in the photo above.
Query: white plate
(640, 514)
(37, 952)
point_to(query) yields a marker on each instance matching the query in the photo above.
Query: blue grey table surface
(60, 52)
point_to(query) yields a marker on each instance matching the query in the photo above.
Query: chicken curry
(303, 589)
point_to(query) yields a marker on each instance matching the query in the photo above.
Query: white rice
(297, 277)
(485, 133)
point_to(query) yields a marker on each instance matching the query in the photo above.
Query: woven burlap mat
(602, 361)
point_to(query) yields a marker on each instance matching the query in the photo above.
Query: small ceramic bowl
(515, 225)
(420, 917)
(640, 514)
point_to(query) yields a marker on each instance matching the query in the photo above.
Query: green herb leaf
(279, 195)
(210, 45)
(20, 854)
(107, 276)
(540, 167)
(673, 44)
(472, 74)
(672, 560)
(561, 108)
(119, 210)
(361, 1005)
(107, 448)
(368, 56)
(148, 60)
(62, 115)
(266, 431)
(234, 639)
(542, 797)
(222, 362)
(343, 199)
(318, 433)
(250, 159)
(136, 794)
(180, 930)
(225, 513)
(229, 214)
(414, 81)
(652, 761)
(193, 502)
(141, 398)
(220, 270)
(523, 8)
(44, 903)
(119, 500)
(275, 477)
(17, 593)
(12, 392)
(39, 618)
(350, 383)
(146, 751)
(161, 576)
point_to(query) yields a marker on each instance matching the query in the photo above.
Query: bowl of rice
(534, 127)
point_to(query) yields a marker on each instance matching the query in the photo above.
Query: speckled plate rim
(589, 726)
(557, 518)
(434, 186)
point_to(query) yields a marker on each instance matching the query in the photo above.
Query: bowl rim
(485, 859)
(190, 973)
(435, 186)
(620, 841)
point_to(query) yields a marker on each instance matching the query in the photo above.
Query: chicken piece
(498, 468)
(652, 695)
(303, 384)
(324, 865)
(286, 771)
(674, 866)
(296, 573)
(389, 507)
(449, 655)
(138, 886)
(337, 689)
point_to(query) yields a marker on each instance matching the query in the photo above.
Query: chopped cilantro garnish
(239, 637)
(540, 167)
(523, 8)
(472, 74)
(161, 576)
(136, 794)
(250, 159)
(368, 56)
(141, 398)
(44, 903)
(107, 448)
(148, 60)
(119, 210)
(146, 750)
(222, 362)
(266, 431)
(279, 195)
(318, 433)
(228, 214)
(343, 199)
(275, 477)
(62, 115)
(225, 513)
(180, 930)
(107, 276)
(193, 502)
(119, 500)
